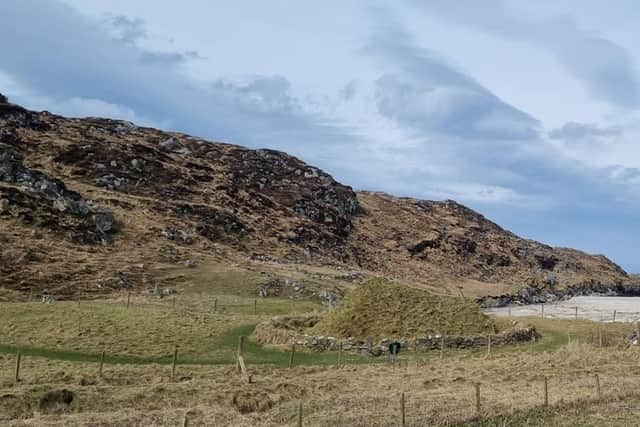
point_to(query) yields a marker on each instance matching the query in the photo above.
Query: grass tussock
(282, 329)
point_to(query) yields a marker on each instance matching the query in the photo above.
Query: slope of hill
(446, 243)
(92, 205)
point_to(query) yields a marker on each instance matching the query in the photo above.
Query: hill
(95, 205)
(381, 309)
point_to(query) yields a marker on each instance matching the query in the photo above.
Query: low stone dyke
(287, 331)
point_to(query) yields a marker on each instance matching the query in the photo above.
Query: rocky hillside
(90, 205)
(446, 243)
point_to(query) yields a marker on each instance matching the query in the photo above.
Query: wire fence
(432, 402)
(465, 401)
(411, 390)
(565, 311)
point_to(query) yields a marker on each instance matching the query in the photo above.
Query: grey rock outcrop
(4, 206)
(174, 146)
(53, 199)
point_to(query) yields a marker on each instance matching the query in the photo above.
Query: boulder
(53, 196)
(124, 127)
(4, 206)
(177, 235)
(110, 181)
(104, 220)
(9, 136)
(174, 146)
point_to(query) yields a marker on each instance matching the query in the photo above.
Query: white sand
(592, 308)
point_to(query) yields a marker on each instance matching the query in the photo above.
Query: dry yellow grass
(380, 309)
(438, 392)
(148, 329)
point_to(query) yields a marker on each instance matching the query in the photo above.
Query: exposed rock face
(217, 188)
(171, 192)
(38, 199)
(446, 243)
(18, 117)
(81, 181)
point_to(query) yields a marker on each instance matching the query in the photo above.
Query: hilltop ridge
(91, 205)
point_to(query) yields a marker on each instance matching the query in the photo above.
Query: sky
(528, 112)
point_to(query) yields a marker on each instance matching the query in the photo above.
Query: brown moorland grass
(148, 329)
(438, 392)
(379, 308)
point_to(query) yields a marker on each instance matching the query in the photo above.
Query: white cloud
(606, 69)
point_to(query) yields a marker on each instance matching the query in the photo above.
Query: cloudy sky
(526, 111)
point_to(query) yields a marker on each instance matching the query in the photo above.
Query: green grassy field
(147, 332)
(438, 391)
(61, 344)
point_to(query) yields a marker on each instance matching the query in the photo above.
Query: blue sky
(526, 111)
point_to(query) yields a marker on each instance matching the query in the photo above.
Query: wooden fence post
(128, 299)
(546, 392)
(173, 365)
(293, 353)
(576, 312)
(239, 352)
(402, 409)
(542, 311)
(215, 305)
(598, 391)
(340, 354)
(477, 387)
(442, 346)
(255, 306)
(174, 301)
(533, 340)
(599, 336)
(240, 365)
(300, 414)
(185, 421)
(488, 345)
(18, 359)
(101, 362)
(614, 316)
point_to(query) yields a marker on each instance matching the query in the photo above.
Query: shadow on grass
(77, 356)
(225, 349)
(223, 352)
(256, 354)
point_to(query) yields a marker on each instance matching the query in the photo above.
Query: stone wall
(430, 342)
(281, 333)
